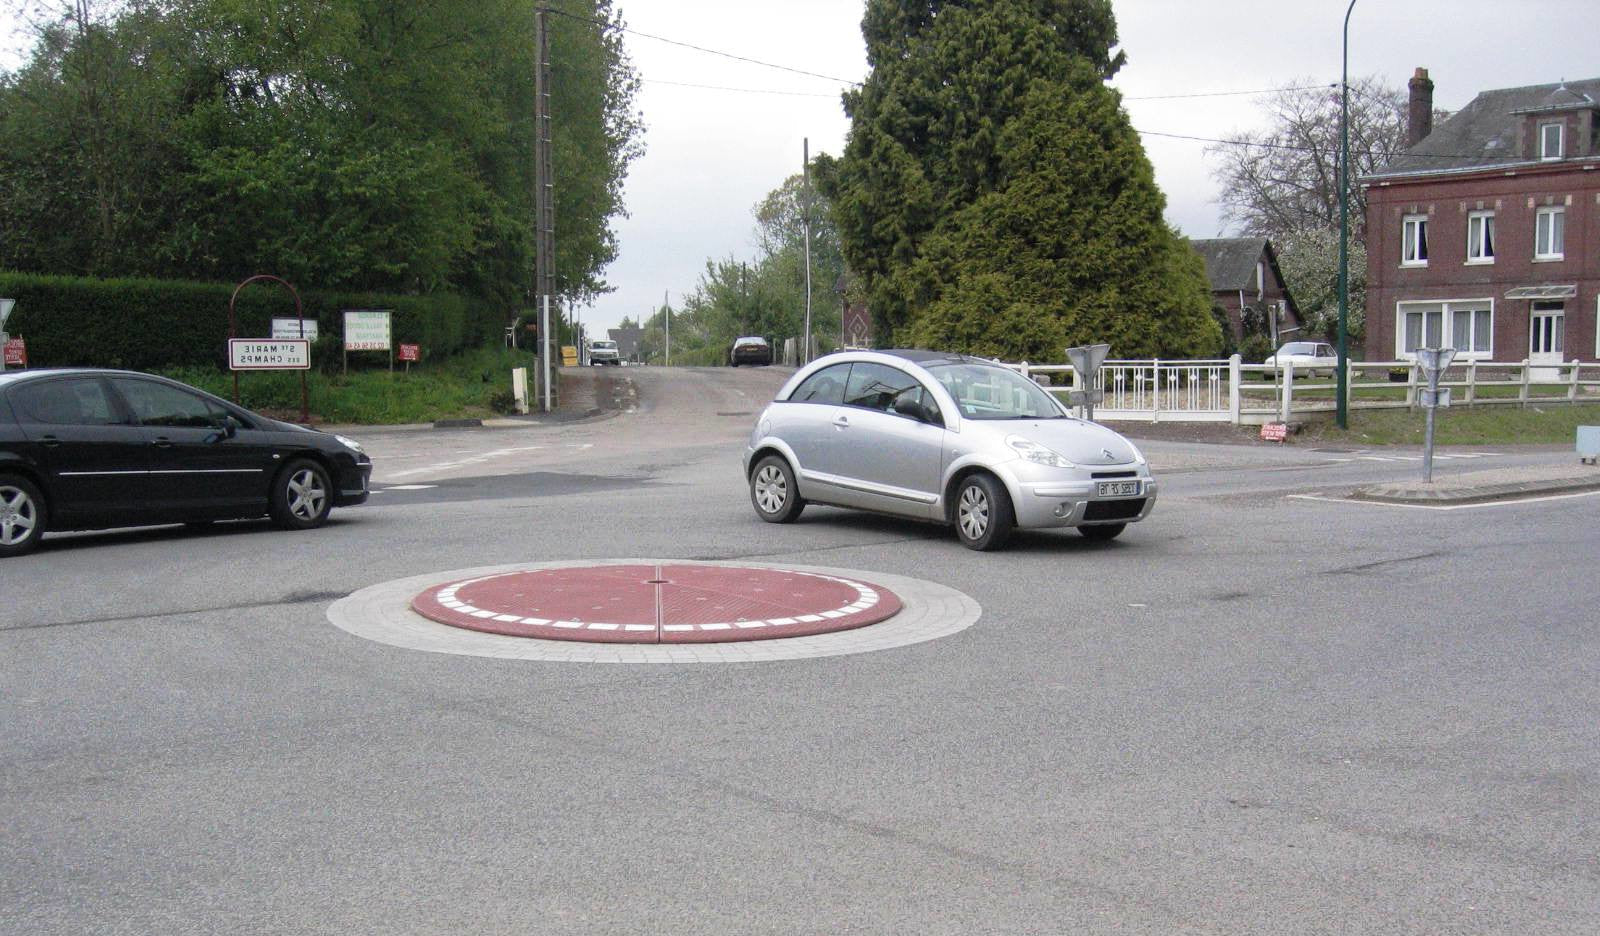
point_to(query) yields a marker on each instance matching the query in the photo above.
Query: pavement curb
(1474, 494)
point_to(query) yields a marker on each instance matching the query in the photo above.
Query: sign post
(1434, 361)
(1086, 360)
(300, 318)
(409, 353)
(6, 306)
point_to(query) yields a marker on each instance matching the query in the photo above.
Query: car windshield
(603, 345)
(1299, 347)
(986, 391)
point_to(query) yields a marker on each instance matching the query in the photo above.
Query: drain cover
(657, 603)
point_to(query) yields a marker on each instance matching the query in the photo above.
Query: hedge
(145, 324)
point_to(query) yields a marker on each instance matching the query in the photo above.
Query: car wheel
(301, 496)
(1102, 532)
(22, 515)
(984, 518)
(773, 491)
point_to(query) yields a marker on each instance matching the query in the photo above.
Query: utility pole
(544, 209)
(667, 306)
(805, 197)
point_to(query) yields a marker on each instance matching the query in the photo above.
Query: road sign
(366, 330)
(1434, 361)
(410, 352)
(269, 354)
(290, 328)
(16, 353)
(1085, 397)
(1086, 360)
(1439, 398)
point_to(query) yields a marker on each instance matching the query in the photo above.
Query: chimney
(1419, 113)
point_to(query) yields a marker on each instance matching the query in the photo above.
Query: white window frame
(1539, 216)
(1484, 241)
(1447, 309)
(1410, 242)
(1544, 140)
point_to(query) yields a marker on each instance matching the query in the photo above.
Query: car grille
(1113, 509)
(1102, 475)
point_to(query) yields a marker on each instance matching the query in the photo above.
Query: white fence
(1226, 390)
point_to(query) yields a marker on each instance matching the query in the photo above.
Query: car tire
(1102, 533)
(984, 517)
(302, 496)
(773, 492)
(22, 515)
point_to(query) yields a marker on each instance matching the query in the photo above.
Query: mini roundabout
(649, 611)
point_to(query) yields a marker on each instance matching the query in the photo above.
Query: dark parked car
(750, 350)
(89, 449)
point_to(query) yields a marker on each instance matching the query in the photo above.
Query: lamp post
(1342, 408)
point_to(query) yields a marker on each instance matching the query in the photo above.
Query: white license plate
(1116, 488)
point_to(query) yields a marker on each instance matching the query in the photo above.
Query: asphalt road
(1256, 713)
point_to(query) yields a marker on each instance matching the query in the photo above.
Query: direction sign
(266, 354)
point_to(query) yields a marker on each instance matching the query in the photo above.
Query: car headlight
(350, 443)
(1138, 456)
(1037, 453)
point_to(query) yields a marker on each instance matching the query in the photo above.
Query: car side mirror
(227, 428)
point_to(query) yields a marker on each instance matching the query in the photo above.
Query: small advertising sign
(410, 352)
(290, 328)
(16, 353)
(366, 330)
(261, 354)
(1274, 432)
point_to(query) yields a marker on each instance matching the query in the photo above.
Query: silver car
(941, 437)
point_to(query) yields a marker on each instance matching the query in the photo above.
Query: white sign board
(366, 330)
(290, 328)
(269, 354)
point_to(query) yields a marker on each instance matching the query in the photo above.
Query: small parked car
(87, 449)
(1307, 358)
(751, 349)
(604, 351)
(942, 437)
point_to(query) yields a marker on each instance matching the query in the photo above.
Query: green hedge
(156, 324)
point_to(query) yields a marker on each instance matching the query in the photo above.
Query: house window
(1414, 241)
(1550, 140)
(1547, 329)
(1549, 237)
(1480, 237)
(1466, 325)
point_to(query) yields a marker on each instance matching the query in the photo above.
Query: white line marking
(1515, 502)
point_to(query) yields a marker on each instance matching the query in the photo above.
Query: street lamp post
(1342, 412)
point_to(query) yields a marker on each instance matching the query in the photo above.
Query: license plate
(1116, 488)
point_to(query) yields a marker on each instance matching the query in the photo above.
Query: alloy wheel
(306, 494)
(19, 516)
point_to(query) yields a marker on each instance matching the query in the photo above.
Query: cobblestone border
(382, 613)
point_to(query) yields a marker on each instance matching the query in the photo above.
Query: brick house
(1485, 234)
(1244, 274)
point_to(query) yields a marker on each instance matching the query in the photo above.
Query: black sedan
(86, 449)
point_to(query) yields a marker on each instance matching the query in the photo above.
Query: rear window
(71, 401)
(747, 342)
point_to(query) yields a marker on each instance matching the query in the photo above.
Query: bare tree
(1285, 179)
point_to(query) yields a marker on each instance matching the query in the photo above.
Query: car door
(804, 422)
(96, 461)
(198, 468)
(891, 461)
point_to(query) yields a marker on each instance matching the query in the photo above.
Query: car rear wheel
(773, 491)
(22, 515)
(984, 518)
(1102, 532)
(302, 496)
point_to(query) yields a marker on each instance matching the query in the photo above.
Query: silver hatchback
(941, 437)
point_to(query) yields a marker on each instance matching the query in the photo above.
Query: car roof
(927, 358)
(14, 376)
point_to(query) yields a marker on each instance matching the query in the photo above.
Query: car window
(72, 401)
(986, 391)
(874, 386)
(159, 404)
(1297, 347)
(825, 386)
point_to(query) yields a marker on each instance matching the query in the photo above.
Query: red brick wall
(1513, 195)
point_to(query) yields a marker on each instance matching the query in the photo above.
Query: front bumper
(1044, 504)
(353, 484)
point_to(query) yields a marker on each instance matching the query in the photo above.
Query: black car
(85, 449)
(750, 350)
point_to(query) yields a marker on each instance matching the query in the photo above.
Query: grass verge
(1534, 424)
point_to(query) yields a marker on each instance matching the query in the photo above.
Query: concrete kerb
(382, 613)
(1486, 486)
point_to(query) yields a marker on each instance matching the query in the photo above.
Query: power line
(699, 48)
(685, 84)
(1206, 94)
(1286, 146)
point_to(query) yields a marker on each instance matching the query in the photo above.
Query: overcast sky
(713, 153)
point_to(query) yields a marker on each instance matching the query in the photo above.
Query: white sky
(712, 154)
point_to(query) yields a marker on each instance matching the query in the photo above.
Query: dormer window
(1550, 140)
